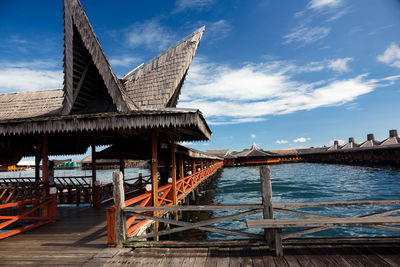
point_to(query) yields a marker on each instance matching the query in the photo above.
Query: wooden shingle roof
(84, 61)
(30, 104)
(158, 83)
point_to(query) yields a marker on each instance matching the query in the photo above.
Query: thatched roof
(118, 121)
(30, 104)
(194, 153)
(218, 152)
(158, 83)
(87, 73)
(253, 153)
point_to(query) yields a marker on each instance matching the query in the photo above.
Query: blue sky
(283, 74)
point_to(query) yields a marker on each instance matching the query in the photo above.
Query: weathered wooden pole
(173, 196)
(201, 164)
(154, 176)
(45, 157)
(96, 187)
(37, 167)
(181, 169)
(272, 236)
(119, 202)
(122, 163)
(193, 165)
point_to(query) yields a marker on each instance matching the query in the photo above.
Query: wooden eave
(186, 124)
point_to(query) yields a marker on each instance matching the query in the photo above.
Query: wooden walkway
(79, 238)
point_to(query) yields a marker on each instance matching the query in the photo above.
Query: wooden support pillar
(201, 164)
(181, 169)
(193, 166)
(273, 236)
(174, 194)
(154, 176)
(96, 187)
(37, 167)
(45, 169)
(122, 163)
(119, 203)
(45, 157)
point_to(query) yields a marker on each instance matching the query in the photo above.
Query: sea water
(296, 182)
(307, 182)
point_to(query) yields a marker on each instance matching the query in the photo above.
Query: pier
(82, 221)
(370, 152)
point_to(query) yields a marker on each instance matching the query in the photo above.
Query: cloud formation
(321, 4)
(282, 141)
(181, 5)
(249, 93)
(29, 76)
(218, 30)
(126, 61)
(301, 139)
(253, 136)
(340, 64)
(391, 56)
(151, 34)
(306, 35)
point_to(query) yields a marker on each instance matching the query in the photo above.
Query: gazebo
(136, 115)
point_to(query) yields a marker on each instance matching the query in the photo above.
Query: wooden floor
(78, 238)
(304, 255)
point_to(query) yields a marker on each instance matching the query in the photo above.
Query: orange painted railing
(183, 187)
(31, 212)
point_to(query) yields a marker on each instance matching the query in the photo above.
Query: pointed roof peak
(158, 83)
(254, 147)
(84, 57)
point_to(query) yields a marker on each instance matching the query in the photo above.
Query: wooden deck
(79, 238)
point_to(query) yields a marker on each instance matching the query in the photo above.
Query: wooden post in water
(119, 202)
(273, 236)
(154, 176)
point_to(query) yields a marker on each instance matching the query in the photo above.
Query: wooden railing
(183, 187)
(273, 235)
(25, 206)
(132, 186)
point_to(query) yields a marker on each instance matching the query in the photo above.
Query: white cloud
(228, 95)
(126, 61)
(150, 34)
(301, 139)
(218, 30)
(253, 136)
(181, 5)
(340, 64)
(29, 76)
(320, 4)
(305, 35)
(391, 56)
(282, 141)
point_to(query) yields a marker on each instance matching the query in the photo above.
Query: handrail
(29, 206)
(183, 187)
